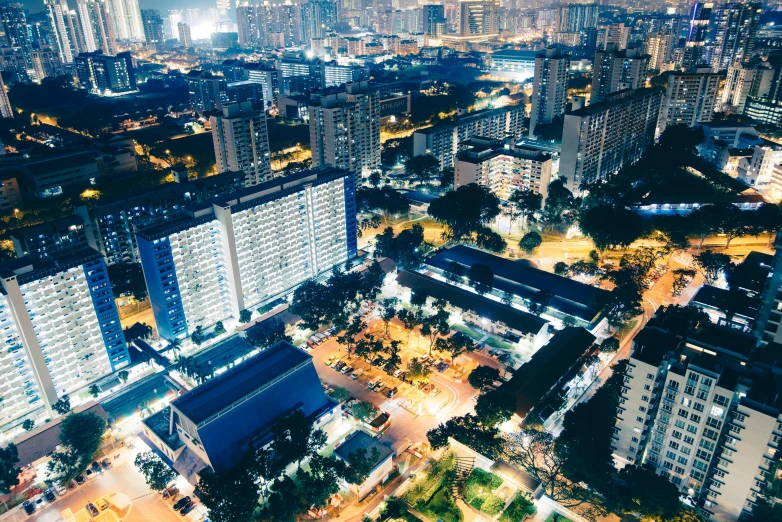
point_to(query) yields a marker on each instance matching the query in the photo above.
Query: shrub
(493, 505)
(477, 503)
(522, 505)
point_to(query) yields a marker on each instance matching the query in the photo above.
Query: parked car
(331, 360)
(29, 507)
(92, 510)
(49, 495)
(391, 392)
(379, 385)
(187, 508)
(79, 480)
(181, 502)
(102, 504)
(96, 467)
(107, 464)
(423, 358)
(421, 385)
(339, 365)
(398, 372)
(59, 488)
(435, 391)
(346, 370)
(357, 374)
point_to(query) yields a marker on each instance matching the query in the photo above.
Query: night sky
(162, 5)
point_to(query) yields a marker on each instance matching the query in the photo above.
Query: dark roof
(727, 341)
(570, 297)
(651, 344)
(149, 389)
(43, 440)
(361, 440)
(221, 392)
(59, 163)
(48, 227)
(721, 299)
(540, 374)
(43, 268)
(482, 306)
(755, 269)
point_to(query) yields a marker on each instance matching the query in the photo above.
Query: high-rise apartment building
(615, 70)
(658, 46)
(744, 80)
(549, 87)
(733, 28)
(479, 18)
(616, 34)
(577, 17)
(64, 29)
(206, 91)
(701, 411)
(503, 167)
(442, 140)
(345, 129)
(691, 98)
(601, 138)
(14, 23)
(106, 75)
(241, 250)
(434, 20)
(153, 28)
(697, 35)
(5, 104)
(61, 330)
(317, 19)
(127, 19)
(241, 142)
(97, 26)
(268, 25)
(185, 40)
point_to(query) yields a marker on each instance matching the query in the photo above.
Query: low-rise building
(217, 423)
(383, 464)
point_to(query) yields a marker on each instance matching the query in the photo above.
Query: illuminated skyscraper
(478, 17)
(127, 19)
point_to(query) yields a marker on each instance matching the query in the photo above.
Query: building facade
(106, 75)
(691, 98)
(549, 88)
(241, 142)
(615, 70)
(240, 250)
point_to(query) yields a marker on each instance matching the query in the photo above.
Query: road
(148, 506)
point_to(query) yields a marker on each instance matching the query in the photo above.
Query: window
(717, 411)
(739, 417)
(720, 400)
(692, 429)
(683, 413)
(650, 376)
(676, 434)
(667, 465)
(686, 401)
(679, 423)
(686, 450)
(647, 387)
(679, 470)
(639, 419)
(688, 439)
(634, 439)
(674, 445)
(645, 398)
(698, 406)
(642, 409)
(705, 455)
(695, 418)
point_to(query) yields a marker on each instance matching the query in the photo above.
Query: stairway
(464, 466)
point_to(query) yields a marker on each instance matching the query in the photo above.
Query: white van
(357, 374)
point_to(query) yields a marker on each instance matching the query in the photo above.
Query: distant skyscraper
(15, 27)
(241, 142)
(690, 99)
(478, 17)
(697, 35)
(345, 129)
(153, 27)
(223, 6)
(185, 40)
(65, 33)
(616, 70)
(549, 87)
(577, 17)
(127, 19)
(5, 104)
(733, 29)
(102, 26)
(433, 20)
(316, 19)
(658, 46)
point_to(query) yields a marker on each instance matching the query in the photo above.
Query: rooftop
(223, 391)
(570, 297)
(754, 271)
(492, 310)
(27, 270)
(725, 300)
(652, 344)
(59, 163)
(361, 440)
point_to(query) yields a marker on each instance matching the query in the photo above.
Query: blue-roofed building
(218, 422)
(244, 249)
(60, 329)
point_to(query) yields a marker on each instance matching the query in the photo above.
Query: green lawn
(518, 509)
(478, 490)
(496, 343)
(467, 331)
(431, 494)
(556, 517)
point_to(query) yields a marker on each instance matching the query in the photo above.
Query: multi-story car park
(61, 330)
(237, 251)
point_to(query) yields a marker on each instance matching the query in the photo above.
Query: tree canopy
(465, 210)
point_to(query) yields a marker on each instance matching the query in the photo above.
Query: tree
(386, 200)
(80, 438)
(410, 320)
(645, 493)
(406, 249)
(560, 209)
(63, 404)
(219, 328)
(468, 430)
(245, 316)
(495, 407)
(704, 221)
(422, 167)
(322, 479)
(527, 203)
(285, 501)
(388, 314)
(711, 264)
(157, 473)
(465, 210)
(681, 278)
(621, 305)
(9, 471)
(454, 273)
(609, 345)
(230, 495)
(291, 438)
(611, 227)
(481, 278)
(489, 240)
(483, 376)
(94, 391)
(435, 326)
(374, 179)
(530, 242)
(540, 301)
(561, 268)
(767, 218)
(417, 371)
(455, 345)
(122, 376)
(312, 303)
(348, 336)
(363, 411)
(267, 333)
(446, 177)
(361, 463)
(28, 425)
